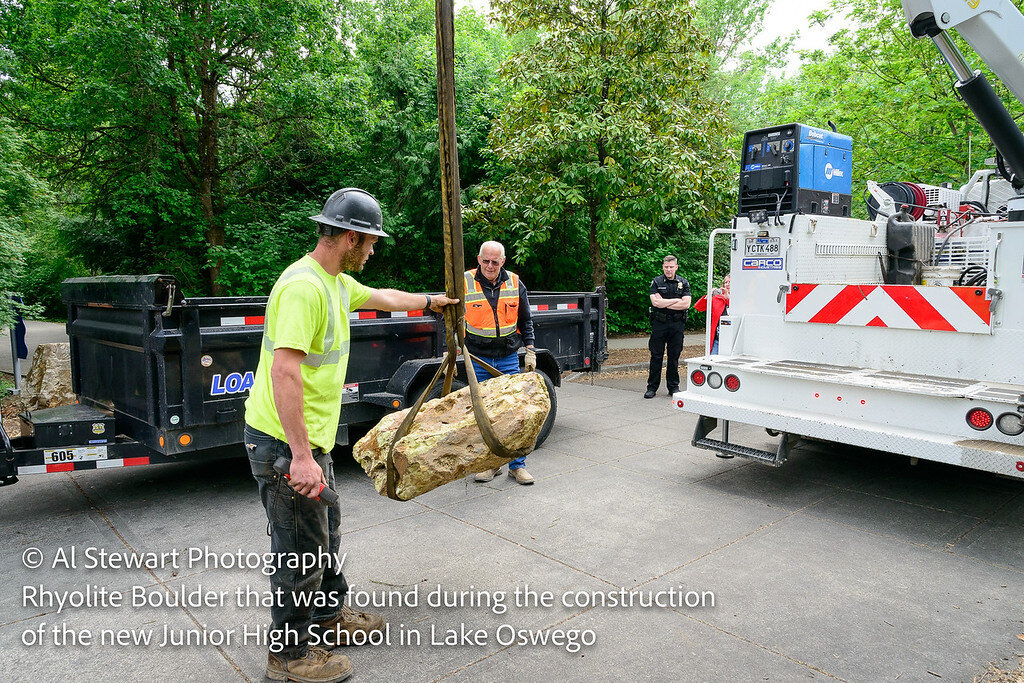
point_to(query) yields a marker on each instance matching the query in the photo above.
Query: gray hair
(493, 245)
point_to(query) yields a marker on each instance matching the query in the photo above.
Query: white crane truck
(902, 333)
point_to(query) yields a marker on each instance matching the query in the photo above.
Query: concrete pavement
(841, 565)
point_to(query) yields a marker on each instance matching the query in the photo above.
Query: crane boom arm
(995, 29)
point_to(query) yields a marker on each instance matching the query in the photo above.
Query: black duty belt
(667, 316)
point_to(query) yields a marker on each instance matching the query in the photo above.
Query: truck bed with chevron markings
(819, 341)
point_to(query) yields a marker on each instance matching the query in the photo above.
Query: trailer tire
(550, 421)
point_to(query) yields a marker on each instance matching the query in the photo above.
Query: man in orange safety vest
(498, 322)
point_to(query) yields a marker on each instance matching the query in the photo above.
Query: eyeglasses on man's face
(490, 262)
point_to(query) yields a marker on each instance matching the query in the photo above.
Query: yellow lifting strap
(454, 257)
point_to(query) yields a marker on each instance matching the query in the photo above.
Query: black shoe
(650, 393)
(673, 390)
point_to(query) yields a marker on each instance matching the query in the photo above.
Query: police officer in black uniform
(670, 297)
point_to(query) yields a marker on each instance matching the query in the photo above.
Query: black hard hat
(351, 209)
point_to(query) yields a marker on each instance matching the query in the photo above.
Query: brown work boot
(521, 476)
(318, 666)
(349, 628)
(487, 475)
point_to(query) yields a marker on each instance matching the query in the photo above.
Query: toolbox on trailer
(69, 425)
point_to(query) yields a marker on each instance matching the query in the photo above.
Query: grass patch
(6, 384)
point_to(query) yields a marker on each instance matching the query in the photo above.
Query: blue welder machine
(796, 169)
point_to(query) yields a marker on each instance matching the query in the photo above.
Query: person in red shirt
(719, 307)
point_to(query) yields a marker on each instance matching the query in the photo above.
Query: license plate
(55, 456)
(763, 246)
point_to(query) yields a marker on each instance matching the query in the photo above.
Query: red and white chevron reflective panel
(908, 307)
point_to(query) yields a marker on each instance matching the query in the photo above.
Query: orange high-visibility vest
(484, 321)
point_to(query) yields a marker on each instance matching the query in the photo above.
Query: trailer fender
(547, 364)
(412, 377)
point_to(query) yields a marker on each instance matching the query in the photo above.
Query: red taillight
(979, 418)
(697, 378)
(732, 382)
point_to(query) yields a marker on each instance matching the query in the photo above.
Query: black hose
(878, 211)
(778, 205)
(935, 261)
(793, 220)
(971, 271)
(1006, 173)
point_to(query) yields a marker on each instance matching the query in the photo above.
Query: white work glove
(530, 360)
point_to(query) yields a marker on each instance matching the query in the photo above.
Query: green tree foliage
(892, 93)
(739, 73)
(22, 198)
(609, 127)
(158, 119)
(730, 25)
(609, 135)
(399, 158)
(390, 148)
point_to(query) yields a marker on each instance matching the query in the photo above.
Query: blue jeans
(298, 525)
(510, 366)
(714, 347)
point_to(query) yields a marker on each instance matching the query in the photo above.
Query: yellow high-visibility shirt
(307, 311)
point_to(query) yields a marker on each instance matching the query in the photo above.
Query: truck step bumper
(980, 454)
(706, 425)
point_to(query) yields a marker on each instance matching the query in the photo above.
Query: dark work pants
(665, 333)
(298, 525)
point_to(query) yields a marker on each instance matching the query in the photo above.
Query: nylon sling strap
(454, 258)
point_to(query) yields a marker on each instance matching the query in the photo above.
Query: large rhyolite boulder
(48, 383)
(444, 442)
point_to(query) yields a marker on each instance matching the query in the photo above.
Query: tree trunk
(209, 82)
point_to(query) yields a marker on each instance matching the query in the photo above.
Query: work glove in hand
(530, 360)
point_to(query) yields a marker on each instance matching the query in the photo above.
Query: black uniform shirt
(676, 288)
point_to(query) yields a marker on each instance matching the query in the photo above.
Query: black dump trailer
(160, 377)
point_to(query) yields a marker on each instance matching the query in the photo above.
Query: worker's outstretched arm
(397, 300)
